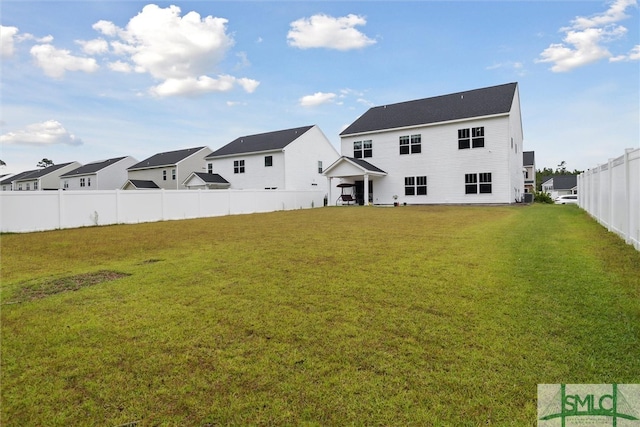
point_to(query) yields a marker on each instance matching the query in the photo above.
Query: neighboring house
(6, 184)
(529, 165)
(139, 184)
(291, 159)
(463, 148)
(168, 170)
(42, 179)
(205, 181)
(103, 175)
(560, 185)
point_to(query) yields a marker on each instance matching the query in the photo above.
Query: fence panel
(611, 194)
(22, 211)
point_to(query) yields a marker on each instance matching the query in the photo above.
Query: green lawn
(335, 316)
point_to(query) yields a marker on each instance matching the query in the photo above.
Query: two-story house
(560, 185)
(167, 170)
(460, 148)
(529, 170)
(108, 174)
(290, 159)
(41, 179)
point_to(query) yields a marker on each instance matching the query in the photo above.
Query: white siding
(256, 175)
(441, 162)
(302, 157)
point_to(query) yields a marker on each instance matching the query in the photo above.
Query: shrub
(542, 197)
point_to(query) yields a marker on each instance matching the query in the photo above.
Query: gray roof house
(559, 185)
(208, 181)
(107, 174)
(288, 159)
(6, 184)
(41, 179)
(462, 148)
(529, 169)
(167, 170)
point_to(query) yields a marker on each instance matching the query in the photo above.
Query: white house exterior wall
(302, 157)
(256, 175)
(516, 152)
(50, 181)
(442, 162)
(111, 177)
(155, 175)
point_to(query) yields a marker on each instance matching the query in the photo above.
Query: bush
(542, 197)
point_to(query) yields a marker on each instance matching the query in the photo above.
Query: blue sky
(87, 81)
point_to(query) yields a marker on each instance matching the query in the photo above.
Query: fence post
(60, 208)
(610, 195)
(627, 197)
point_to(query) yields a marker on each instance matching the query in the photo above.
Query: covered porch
(355, 179)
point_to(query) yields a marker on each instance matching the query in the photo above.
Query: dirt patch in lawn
(42, 289)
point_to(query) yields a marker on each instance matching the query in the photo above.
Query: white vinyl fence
(22, 211)
(611, 194)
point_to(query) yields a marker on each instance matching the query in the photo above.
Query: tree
(44, 163)
(2, 163)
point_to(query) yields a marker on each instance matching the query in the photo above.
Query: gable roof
(18, 176)
(91, 167)
(168, 158)
(269, 141)
(360, 165)
(39, 173)
(528, 158)
(563, 182)
(456, 106)
(140, 183)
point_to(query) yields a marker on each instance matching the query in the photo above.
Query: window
(463, 139)
(477, 183)
(471, 138)
(210, 167)
(477, 137)
(88, 181)
(19, 187)
(238, 166)
(66, 184)
(319, 166)
(485, 183)
(410, 144)
(164, 175)
(35, 185)
(82, 182)
(362, 149)
(28, 187)
(415, 186)
(268, 161)
(173, 174)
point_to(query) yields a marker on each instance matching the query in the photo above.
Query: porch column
(366, 189)
(329, 195)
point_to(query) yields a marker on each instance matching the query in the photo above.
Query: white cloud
(193, 86)
(317, 98)
(177, 50)
(323, 31)
(105, 27)
(7, 41)
(585, 40)
(120, 67)
(55, 62)
(46, 133)
(94, 47)
(633, 55)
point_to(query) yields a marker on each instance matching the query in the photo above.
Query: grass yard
(335, 316)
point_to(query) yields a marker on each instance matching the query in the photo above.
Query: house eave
(247, 153)
(491, 116)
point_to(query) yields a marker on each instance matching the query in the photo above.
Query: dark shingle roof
(39, 173)
(366, 165)
(455, 106)
(564, 182)
(18, 176)
(211, 178)
(140, 183)
(92, 167)
(168, 158)
(528, 158)
(260, 142)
